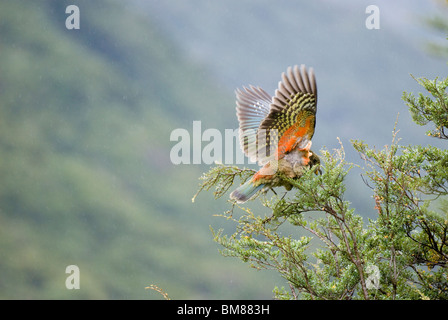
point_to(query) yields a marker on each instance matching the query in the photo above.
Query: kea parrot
(276, 131)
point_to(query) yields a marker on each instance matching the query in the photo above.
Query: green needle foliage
(402, 254)
(432, 108)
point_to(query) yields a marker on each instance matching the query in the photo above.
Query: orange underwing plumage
(277, 131)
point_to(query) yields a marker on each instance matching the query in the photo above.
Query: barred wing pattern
(272, 127)
(253, 106)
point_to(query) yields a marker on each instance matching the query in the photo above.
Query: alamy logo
(373, 280)
(73, 281)
(73, 20)
(373, 20)
(210, 145)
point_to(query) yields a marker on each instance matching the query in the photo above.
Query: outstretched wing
(252, 107)
(291, 119)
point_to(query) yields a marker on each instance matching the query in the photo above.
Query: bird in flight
(276, 131)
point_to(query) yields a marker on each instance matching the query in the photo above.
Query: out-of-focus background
(86, 117)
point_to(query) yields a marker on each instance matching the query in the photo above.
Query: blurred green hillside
(361, 73)
(86, 179)
(86, 117)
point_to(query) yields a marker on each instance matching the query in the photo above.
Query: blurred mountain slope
(361, 73)
(86, 178)
(86, 117)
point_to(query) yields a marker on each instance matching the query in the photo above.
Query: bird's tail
(245, 191)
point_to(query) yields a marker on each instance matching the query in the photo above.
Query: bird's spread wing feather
(271, 127)
(291, 119)
(253, 105)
